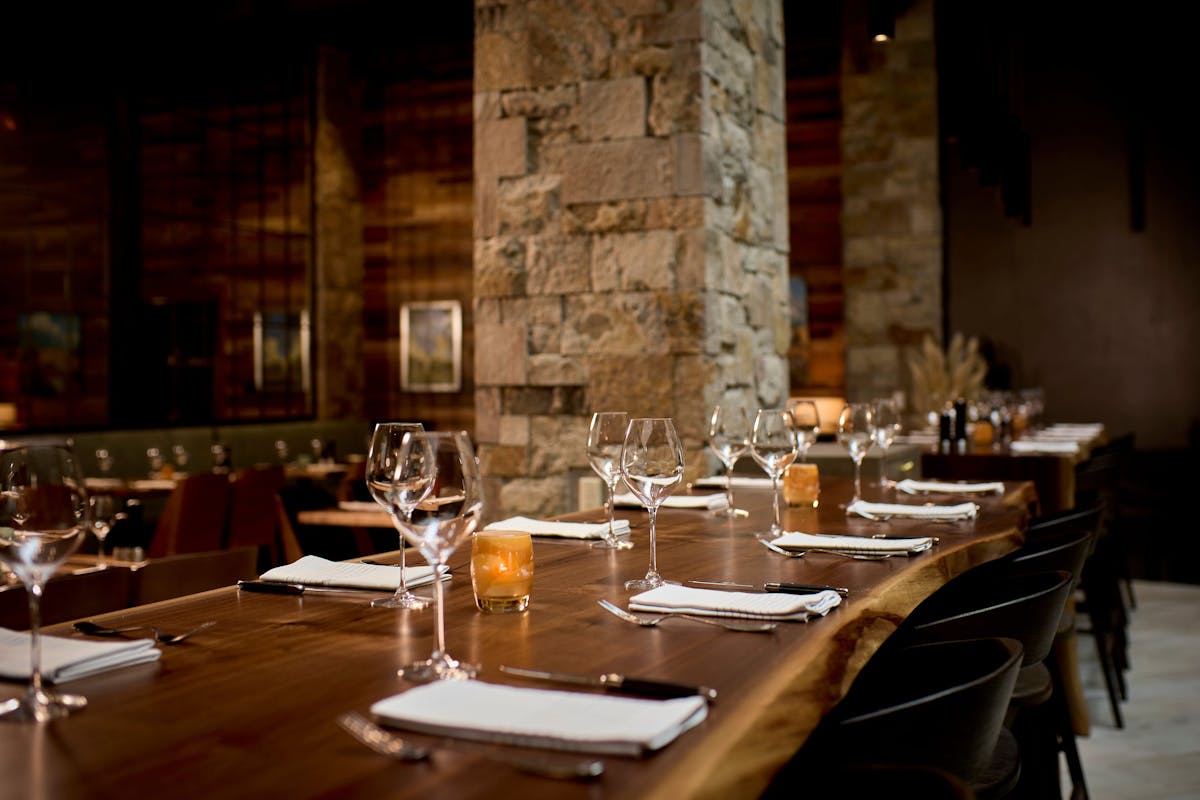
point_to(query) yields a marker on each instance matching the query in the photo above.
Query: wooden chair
(257, 517)
(189, 573)
(67, 597)
(194, 517)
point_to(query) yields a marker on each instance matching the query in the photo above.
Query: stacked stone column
(630, 226)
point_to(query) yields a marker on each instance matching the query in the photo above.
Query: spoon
(393, 746)
(162, 637)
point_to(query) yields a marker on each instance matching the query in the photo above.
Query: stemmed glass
(606, 434)
(807, 424)
(885, 424)
(729, 438)
(443, 521)
(43, 519)
(106, 508)
(652, 462)
(773, 446)
(854, 431)
(398, 486)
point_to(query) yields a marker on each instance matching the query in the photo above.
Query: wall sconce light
(881, 20)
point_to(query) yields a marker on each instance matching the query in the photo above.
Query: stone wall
(891, 209)
(630, 226)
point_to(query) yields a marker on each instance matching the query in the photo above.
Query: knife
(615, 682)
(271, 587)
(786, 588)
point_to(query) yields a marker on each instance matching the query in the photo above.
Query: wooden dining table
(248, 707)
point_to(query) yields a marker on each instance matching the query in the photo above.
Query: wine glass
(854, 431)
(773, 446)
(442, 522)
(652, 462)
(606, 434)
(43, 519)
(106, 507)
(398, 487)
(807, 424)
(885, 424)
(729, 438)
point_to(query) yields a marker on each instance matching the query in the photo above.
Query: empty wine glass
(885, 424)
(606, 434)
(729, 438)
(773, 446)
(807, 424)
(652, 463)
(43, 519)
(442, 522)
(104, 462)
(106, 508)
(398, 487)
(854, 432)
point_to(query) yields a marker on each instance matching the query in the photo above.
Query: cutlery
(650, 622)
(834, 552)
(393, 746)
(271, 587)
(786, 588)
(616, 682)
(161, 636)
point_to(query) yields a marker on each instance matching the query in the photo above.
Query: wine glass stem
(439, 649)
(857, 479)
(653, 510)
(729, 486)
(609, 507)
(402, 589)
(883, 468)
(35, 644)
(775, 502)
(100, 562)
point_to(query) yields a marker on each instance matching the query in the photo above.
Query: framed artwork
(281, 345)
(431, 346)
(50, 353)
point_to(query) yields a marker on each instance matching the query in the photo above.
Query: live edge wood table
(248, 708)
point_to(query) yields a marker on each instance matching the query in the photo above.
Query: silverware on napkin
(616, 682)
(786, 588)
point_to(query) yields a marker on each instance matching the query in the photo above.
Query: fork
(801, 553)
(393, 746)
(161, 636)
(650, 622)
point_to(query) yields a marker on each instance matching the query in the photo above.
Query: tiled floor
(1157, 754)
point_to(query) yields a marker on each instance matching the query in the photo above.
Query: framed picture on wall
(281, 344)
(431, 346)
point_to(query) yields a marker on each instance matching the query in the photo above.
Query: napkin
(909, 486)
(592, 723)
(565, 530)
(711, 502)
(738, 482)
(66, 659)
(317, 571)
(1044, 446)
(360, 505)
(853, 544)
(716, 603)
(873, 510)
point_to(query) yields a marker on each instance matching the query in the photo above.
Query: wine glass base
(441, 669)
(50, 706)
(651, 581)
(731, 513)
(617, 543)
(406, 600)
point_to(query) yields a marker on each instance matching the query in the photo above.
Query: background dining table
(247, 708)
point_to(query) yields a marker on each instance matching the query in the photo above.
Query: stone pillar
(630, 226)
(891, 205)
(337, 233)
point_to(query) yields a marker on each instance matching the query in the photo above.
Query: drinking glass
(43, 519)
(773, 446)
(652, 462)
(807, 424)
(606, 434)
(105, 509)
(442, 522)
(885, 424)
(398, 487)
(729, 438)
(854, 432)
(104, 461)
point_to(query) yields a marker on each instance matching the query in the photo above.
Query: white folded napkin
(716, 603)
(711, 502)
(909, 486)
(917, 437)
(565, 530)
(796, 540)
(66, 659)
(737, 482)
(317, 571)
(1079, 427)
(581, 721)
(360, 505)
(1044, 446)
(877, 510)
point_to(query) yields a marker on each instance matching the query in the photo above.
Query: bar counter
(248, 707)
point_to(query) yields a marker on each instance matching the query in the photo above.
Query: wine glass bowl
(729, 438)
(606, 435)
(885, 424)
(773, 446)
(854, 433)
(44, 516)
(106, 510)
(441, 522)
(806, 423)
(652, 464)
(397, 485)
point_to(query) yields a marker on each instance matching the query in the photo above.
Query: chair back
(194, 517)
(189, 573)
(257, 517)
(67, 597)
(1064, 551)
